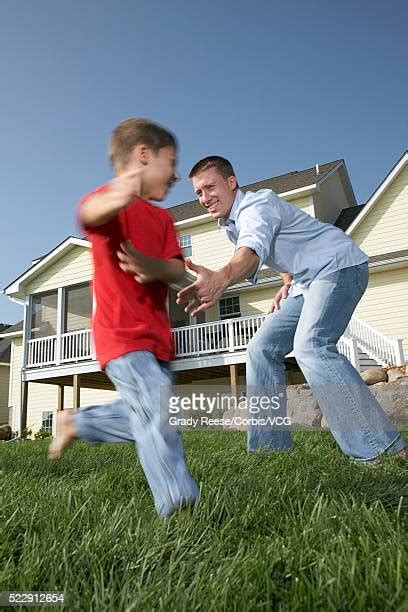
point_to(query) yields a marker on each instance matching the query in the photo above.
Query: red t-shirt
(128, 316)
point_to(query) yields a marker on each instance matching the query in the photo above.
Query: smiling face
(215, 192)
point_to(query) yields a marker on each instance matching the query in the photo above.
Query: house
(381, 231)
(52, 360)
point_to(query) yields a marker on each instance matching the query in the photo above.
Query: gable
(72, 268)
(385, 228)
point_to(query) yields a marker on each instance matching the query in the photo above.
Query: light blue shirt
(287, 239)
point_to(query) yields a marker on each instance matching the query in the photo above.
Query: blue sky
(274, 86)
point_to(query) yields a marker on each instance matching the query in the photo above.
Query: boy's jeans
(311, 325)
(139, 416)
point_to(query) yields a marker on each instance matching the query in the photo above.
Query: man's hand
(144, 269)
(204, 292)
(281, 295)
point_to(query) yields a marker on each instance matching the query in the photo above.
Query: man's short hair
(132, 132)
(223, 166)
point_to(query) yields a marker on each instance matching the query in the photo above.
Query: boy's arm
(147, 269)
(104, 205)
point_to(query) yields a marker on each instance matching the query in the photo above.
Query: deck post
(399, 353)
(60, 405)
(24, 406)
(234, 380)
(76, 392)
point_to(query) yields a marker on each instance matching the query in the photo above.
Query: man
(325, 275)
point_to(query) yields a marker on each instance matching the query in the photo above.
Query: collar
(233, 212)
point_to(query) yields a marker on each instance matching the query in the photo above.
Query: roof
(347, 216)
(13, 328)
(5, 343)
(278, 184)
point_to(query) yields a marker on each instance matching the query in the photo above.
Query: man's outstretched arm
(210, 284)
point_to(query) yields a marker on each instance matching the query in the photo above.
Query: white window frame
(231, 316)
(49, 413)
(185, 242)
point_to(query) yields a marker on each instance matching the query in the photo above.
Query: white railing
(384, 350)
(41, 351)
(76, 346)
(347, 346)
(54, 350)
(217, 337)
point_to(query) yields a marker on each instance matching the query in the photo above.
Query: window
(230, 307)
(186, 244)
(47, 418)
(78, 308)
(44, 314)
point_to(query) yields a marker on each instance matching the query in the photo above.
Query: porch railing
(384, 350)
(54, 350)
(214, 338)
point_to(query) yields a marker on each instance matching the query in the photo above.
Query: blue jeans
(140, 417)
(311, 326)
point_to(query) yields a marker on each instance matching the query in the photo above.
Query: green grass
(305, 530)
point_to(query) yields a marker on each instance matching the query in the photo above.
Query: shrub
(42, 434)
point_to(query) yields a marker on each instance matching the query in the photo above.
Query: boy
(130, 323)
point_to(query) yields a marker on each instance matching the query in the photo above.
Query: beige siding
(306, 204)
(4, 393)
(43, 397)
(385, 304)
(385, 228)
(211, 246)
(252, 302)
(257, 300)
(15, 381)
(73, 268)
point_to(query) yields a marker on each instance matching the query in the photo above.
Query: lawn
(305, 530)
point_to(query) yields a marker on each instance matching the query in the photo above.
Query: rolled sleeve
(258, 223)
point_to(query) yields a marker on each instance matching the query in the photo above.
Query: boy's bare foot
(403, 453)
(66, 434)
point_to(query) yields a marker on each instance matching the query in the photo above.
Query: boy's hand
(127, 186)
(145, 269)
(103, 206)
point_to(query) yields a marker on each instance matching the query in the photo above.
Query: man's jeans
(139, 416)
(311, 326)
